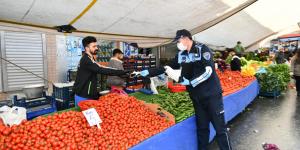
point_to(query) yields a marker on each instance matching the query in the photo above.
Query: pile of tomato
(128, 118)
(126, 122)
(232, 81)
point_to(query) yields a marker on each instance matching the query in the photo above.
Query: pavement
(268, 120)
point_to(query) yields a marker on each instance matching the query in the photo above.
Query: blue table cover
(182, 136)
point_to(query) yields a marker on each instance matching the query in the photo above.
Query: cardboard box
(160, 111)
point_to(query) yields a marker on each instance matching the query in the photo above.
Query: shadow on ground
(267, 120)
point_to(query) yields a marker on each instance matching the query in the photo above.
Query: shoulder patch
(206, 55)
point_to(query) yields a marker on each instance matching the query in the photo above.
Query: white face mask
(181, 47)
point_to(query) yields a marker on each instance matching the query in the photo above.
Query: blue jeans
(79, 99)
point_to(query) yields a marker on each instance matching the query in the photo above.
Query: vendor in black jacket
(200, 78)
(85, 86)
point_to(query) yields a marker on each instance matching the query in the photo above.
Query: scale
(35, 106)
(36, 101)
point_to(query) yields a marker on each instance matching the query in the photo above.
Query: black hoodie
(86, 80)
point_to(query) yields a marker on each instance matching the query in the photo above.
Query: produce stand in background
(183, 134)
(163, 110)
(137, 63)
(272, 78)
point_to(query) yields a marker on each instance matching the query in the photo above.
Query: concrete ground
(267, 120)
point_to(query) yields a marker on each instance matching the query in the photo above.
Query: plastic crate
(63, 95)
(22, 102)
(176, 88)
(170, 84)
(37, 107)
(40, 112)
(6, 103)
(63, 105)
(72, 75)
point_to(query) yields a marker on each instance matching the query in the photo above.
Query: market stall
(183, 134)
(128, 122)
(289, 43)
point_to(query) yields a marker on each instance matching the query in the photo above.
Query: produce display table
(182, 136)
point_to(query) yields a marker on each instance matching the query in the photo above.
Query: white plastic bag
(160, 80)
(12, 116)
(173, 74)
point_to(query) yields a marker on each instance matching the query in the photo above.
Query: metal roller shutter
(25, 50)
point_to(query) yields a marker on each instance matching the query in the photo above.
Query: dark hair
(239, 42)
(87, 40)
(117, 51)
(189, 37)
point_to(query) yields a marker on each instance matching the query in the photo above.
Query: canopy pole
(83, 12)
(222, 18)
(261, 39)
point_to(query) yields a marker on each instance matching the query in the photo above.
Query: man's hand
(184, 81)
(144, 73)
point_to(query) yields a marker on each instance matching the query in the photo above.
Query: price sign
(92, 117)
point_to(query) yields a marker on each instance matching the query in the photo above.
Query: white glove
(173, 74)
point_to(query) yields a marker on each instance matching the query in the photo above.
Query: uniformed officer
(199, 76)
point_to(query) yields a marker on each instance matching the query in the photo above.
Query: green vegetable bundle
(217, 55)
(252, 56)
(178, 104)
(243, 61)
(283, 70)
(270, 82)
(228, 59)
(276, 79)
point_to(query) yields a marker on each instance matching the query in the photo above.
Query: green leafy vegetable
(276, 79)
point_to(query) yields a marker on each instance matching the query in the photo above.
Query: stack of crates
(63, 95)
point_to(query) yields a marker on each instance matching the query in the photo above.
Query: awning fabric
(152, 23)
(262, 19)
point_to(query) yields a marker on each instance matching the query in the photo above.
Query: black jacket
(235, 64)
(195, 69)
(86, 80)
